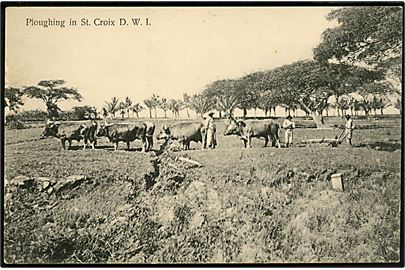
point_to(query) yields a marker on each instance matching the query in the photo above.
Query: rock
(50, 190)
(69, 182)
(43, 182)
(22, 181)
(75, 178)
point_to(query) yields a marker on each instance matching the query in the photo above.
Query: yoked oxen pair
(269, 130)
(129, 132)
(184, 133)
(72, 132)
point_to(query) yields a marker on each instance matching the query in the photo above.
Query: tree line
(357, 66)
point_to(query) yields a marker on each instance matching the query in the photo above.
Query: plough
(334, 142)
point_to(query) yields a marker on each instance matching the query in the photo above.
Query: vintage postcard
(202, 133)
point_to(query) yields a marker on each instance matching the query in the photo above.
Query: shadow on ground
(382, 146)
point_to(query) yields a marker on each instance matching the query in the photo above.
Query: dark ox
(184, 133)
(269, 130)
(150, 130)
(128, 133)
(71, 132)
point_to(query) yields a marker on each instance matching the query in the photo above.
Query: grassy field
(262, 205)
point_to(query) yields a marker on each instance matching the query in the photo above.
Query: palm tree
(163, 105)
(128, 104)
(151, 103)
(175, 106)
(137, 108)
(112, 106)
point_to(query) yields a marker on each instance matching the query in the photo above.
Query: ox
(122, 132)
(68, 132)
(269, 130)
(184, 133)
(150, 130)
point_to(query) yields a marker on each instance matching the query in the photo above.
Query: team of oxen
(182, 132)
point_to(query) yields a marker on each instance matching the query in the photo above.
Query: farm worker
(349, 129)
(288, 126)
(210, 129)
(105, 114)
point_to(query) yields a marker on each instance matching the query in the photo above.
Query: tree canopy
(370, 34)
(51, 92)
(13, 98)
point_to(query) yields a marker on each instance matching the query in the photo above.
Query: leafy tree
(343, 103)
(379, 102)
(83, 112)
(370, 91)
(137, 108)
(13, 98)
(112, 106)
(268, 101)
(310, 84)
(186, 103)
(51, 92)
(367, 36)
(355, 106)
(223, 94)
(201, 103)
(247, 92)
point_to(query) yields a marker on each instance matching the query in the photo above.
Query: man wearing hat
(210, 129)
(349, 129)
(288, 126)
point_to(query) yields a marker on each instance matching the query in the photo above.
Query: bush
(15, 122)
(33, 115)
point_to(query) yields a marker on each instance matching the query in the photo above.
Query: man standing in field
(288, 126)
(210, 130)
(349, 129)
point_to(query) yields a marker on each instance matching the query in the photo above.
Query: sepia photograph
(244, 133)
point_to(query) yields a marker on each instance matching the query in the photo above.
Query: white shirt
(287, 124)
(349, 124)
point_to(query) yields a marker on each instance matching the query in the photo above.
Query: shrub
(15, 121)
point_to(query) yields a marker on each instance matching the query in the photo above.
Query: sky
(180, 51)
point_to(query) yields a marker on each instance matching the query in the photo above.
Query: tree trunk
(188, 114)
(274, 111)
(220, 114)
(155, 113)
(137, 115)
(150, 113)
(318, 120)
(244, 113)
(165, 113)
(382, 111)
